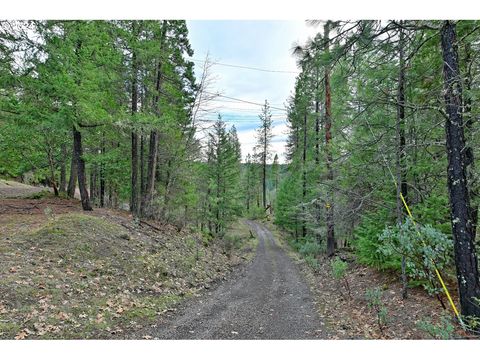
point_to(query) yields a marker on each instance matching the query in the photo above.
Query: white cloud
(260, 44)
(248, 140)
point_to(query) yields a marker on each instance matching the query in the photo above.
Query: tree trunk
(134, 200)
(264, 173)
(317, 149)
(63, 169)
(151, 171)
(72, 182)
(472, 181)
(248, 186)
(93, 183)
(102, 174)
(167, 181)
(142, 165)
(331, 244)
(317, 121)
(110, 194)
(465, 255)
(78, 153)
(52, 181)
(153, 146)
(400, 153)
(304, 173)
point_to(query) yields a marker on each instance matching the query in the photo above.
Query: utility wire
(247, 67)
(244, 101)
(235, 102)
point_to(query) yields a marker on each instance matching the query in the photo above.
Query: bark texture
(465, 255)
(82, 183)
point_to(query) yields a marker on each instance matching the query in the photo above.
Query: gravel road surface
(268, 299)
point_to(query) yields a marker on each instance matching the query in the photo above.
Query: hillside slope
(65, 274)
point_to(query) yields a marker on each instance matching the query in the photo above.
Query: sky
(258, 44)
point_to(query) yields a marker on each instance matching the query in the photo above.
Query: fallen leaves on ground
(69, 275)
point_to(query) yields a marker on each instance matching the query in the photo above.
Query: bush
(339, 272)
(422, 246)
(310, 248)
(295, 245)
(312, 261)
(435, 210)
(442, 331)
(374, 301)
(339, 268)
(366, 244)
(39, 195)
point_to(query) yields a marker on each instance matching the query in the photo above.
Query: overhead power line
(235, 102)
(248, 67)
(244, 101)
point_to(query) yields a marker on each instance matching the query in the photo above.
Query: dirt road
(268, 300)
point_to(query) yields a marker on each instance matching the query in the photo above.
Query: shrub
(39, 195)
(295, 245)
(257, 213)
(310, 248)
(442, 331)
(339, 272)
(422, 246)
(339, 268)
(365, 241)
(374, 301)
(312, 261)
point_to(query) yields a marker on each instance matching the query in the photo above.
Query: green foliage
(310, 247)
(339, 272)
(374, 301)
(287, 214)
(435, 211)
(256, 213)
(222, 200)
(422, 246)
(39, 195)
(312, 261)
(444, 330)
(339, 268)
(366, 145)
(366, 242)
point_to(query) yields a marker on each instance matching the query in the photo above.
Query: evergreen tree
(223, 177)
(264, 137)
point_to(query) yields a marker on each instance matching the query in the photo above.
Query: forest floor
(350, 316)
(66, 274)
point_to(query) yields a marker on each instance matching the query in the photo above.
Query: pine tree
(264, 137)
(223, 177)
